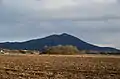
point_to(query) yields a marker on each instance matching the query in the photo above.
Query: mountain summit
(54, 40)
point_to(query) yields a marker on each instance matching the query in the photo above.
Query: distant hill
(54, 40)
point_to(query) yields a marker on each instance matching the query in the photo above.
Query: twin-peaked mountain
(54, 40)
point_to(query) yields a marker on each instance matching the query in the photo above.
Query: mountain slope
(53, 40)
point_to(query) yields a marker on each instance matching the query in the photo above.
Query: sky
(94, 21)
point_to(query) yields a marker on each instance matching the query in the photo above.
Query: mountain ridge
(54, 40)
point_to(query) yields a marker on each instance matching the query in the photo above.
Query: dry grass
(59, 67)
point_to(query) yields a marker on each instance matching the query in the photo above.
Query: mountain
(54, 40)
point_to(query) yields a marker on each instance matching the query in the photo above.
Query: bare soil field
(59, 67)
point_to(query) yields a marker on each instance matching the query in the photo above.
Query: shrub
(22, 51)
(68, 49)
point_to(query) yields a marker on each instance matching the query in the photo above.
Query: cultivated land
(59, 67)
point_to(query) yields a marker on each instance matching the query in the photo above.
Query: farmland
(59, 67)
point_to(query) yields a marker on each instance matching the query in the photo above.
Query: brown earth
(59, 67)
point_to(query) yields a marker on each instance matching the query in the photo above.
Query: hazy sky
(94, 21)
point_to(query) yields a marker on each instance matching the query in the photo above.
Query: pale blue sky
(94, 21)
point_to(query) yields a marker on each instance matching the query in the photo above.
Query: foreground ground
(59, 67)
